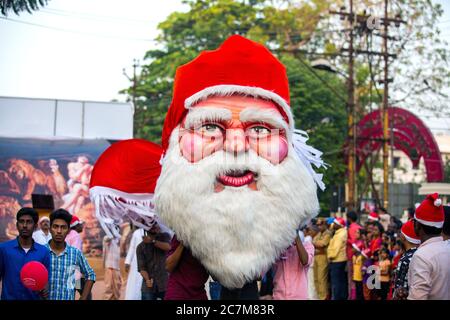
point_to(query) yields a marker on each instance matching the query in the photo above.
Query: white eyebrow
(199, 115)
(271, 117)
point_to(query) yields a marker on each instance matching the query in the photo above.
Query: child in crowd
(358, 260)
(385, 273)
(367, 272)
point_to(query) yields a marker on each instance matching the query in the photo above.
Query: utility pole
(351, 139)
(366, 21)
(385, 110)
(351, 120)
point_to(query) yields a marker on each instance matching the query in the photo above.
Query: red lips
(236, 179)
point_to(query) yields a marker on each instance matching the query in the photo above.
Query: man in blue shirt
(14, 254)
(65, 261)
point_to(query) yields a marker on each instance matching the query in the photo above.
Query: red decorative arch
(411, 136)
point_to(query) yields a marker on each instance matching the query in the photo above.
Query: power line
(76, 32)
(63, 13)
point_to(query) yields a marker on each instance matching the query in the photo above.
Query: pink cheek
(274, 149)
(194, 148)
(191, 147)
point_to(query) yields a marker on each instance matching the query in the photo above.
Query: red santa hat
(339, 221)
(373, 216)
(75, 221)
(431, 211)
(238, 66)
(358, 246)
(409, 233)
(366, 253)
(123, 182)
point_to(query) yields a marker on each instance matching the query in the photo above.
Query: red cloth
(375, 245)
(238, 61)
(187, 281)
(130, 166)
(351, 238)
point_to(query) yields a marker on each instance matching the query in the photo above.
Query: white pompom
(437, 202)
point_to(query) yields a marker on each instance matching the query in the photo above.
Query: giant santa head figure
(236, 179)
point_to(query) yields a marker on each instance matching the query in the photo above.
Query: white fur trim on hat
(373, 219)
(356, 247)
(337, 222)
(412, 240)
(436, 224)
(229, 89)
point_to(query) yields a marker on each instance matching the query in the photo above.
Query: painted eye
(210, 129)
(259, 131)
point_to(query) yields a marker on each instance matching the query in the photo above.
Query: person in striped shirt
(65, 260)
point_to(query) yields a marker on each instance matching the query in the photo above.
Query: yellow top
(385, 270)
(357, 267)
(336, 251)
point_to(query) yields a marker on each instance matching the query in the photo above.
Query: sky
(78, 49)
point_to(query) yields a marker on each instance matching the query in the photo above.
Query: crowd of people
(337, 258)
(383, 258)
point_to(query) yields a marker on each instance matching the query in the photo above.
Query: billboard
(60, 168)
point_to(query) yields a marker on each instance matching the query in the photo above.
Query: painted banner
(61, 168)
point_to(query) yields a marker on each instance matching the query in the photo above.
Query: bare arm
(87, 289)
(164, 246)
(173, 260)
(303, 255)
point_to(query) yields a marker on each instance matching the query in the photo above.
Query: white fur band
(436, 224)
(412, 240)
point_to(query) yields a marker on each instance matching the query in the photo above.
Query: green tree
(18, 6)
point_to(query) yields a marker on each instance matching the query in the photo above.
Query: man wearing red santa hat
(429, 271)
(411, 241)
(237, 178)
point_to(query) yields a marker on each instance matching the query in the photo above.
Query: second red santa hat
(431, 211)
(409, 233)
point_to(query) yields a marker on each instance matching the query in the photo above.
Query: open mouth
(237, 178)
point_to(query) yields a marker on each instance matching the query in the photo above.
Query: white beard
(239, 232)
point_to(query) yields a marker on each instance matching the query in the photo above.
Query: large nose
(235, 141)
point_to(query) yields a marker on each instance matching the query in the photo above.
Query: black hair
(429, 230)
(26, 211)
(385, 250)
(351, 215)
(61, 214)
(411, 212)
(380, 227)
(446, 227)
(382, 209)
(400, 244)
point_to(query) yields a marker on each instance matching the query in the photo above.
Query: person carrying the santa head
(410, 241)
(429, 270)
(237, 177)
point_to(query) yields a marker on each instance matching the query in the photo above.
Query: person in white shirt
(134, 282)
(111, 263)
(310, 232)
(43, 235)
